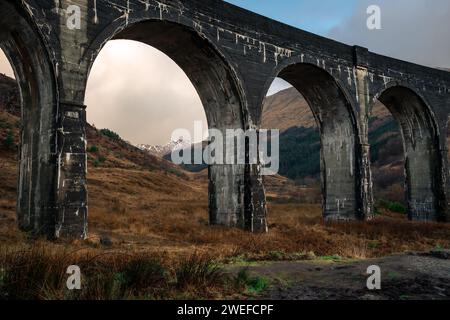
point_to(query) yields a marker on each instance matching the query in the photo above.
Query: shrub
(39, 272)
(101, 159)
(122, 277)
(93, 149)
(198, 271)
(8, 142)
(144, 273)
(110, 134)
(27, 274)
(393, 206)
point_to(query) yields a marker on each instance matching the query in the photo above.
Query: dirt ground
(409, 276)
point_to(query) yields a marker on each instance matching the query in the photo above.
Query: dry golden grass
(157, 211)
(38, 272)
(150, 211)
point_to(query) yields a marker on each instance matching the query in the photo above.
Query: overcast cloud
(5, 67)
(413, 30)
(143, 95)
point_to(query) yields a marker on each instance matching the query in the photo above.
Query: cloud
(277, 85)
(5, 67)
(416, 31)
(140, 93)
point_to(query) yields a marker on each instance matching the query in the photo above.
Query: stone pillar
(255, 196)
(255, 200)
(444, 196)
(71, 220)
(226, 195)
(364, 187)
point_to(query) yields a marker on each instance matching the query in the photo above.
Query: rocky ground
(410, 276)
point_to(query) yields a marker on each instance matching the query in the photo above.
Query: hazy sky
(5, 67)
(143, 95)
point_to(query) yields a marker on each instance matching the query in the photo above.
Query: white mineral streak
(349, 78)
(250, 43)
(163, 8)
(28, 7)
(197, 26)
(127, 13)
(355, 81)
(95, 12)
(262, 49)
(386, 80)
(282, 53)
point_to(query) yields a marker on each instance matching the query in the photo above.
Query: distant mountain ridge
(163, 150)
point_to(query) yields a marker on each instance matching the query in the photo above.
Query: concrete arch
(218, 88)
(425, 188)
(334, 115)
(204, 46)
(34, 71)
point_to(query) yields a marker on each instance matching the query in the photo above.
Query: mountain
(287, 109)
(163, 150)
(300, 143)
(120, 175)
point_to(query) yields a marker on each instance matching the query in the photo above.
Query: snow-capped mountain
(163, 150)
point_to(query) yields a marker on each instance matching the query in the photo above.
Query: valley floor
(411, 276)
(135, 213)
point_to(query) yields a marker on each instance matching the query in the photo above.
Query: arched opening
(323, 146)
(35, 105)
(208, 85)
(296, 190)
(387, 161)
(421, 149)
(10, 109)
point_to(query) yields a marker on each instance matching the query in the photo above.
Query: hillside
(287, 109)
(121, 177)
(300, 143)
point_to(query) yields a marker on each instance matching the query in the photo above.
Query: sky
(143, 95)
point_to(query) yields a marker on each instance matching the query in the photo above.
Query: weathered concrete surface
(231, 56)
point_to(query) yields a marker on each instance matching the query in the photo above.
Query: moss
(252, 284)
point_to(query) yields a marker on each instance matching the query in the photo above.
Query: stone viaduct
(231, 56)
